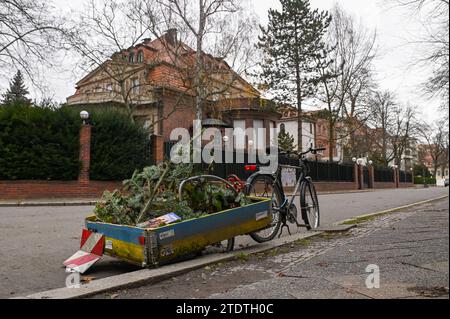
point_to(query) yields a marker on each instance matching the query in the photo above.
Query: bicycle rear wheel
(265, 186)
(309, 205)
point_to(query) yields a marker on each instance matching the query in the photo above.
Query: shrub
(38, 143)
(42, 143)
(118, 146)
(428, 180)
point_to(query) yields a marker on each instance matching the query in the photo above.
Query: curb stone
(38, 204)
(392, 210)
(146, 276)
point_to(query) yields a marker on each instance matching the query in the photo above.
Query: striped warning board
(91, 250)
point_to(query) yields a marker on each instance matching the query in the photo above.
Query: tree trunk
(198, 63)
(127, 105)
(384, 144)
(330, 140)
(299, 112)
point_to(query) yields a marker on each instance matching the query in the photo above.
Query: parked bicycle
(284, 210)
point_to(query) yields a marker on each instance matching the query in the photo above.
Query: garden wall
(54, 189)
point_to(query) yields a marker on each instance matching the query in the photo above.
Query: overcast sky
(395, 29)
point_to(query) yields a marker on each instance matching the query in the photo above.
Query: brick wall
(335, 186)
(182, 117)
(54, 189)
(329, 187)
(384, 185)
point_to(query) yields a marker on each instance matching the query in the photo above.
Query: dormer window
(131, 57)
(140, 57)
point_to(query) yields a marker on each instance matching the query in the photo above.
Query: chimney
(171, 36)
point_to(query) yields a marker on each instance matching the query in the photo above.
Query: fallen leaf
(87, 278)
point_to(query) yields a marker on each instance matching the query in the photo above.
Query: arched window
(140, 57)
(131, 57)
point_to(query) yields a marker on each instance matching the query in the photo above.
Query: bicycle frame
(287, 201)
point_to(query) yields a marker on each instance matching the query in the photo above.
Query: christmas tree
(285, 141)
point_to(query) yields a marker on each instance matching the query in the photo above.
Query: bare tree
(436, 139)
(222, 33)
(30, 35)
(112, 27)
(433, 44)
(107, 29)
(394, 127)
(345, 77)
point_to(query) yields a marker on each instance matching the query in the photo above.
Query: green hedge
(42, 143)
(38, 143)
(428, 180)
(118, 146)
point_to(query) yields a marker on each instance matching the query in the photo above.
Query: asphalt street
(36, 240)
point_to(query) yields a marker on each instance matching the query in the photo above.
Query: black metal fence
(383, 174)
(405, 177)
(319, 171)
(325, 171)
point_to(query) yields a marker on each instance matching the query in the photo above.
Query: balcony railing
(104, 97)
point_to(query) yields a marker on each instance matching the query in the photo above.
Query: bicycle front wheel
(309, 205)
(265, 186)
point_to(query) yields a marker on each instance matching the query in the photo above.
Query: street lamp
(250, 143)
(354, 159)
(84, 115)
(359, 161)
(370, 162)
(226, 138)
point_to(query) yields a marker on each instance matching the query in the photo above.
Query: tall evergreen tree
(17, 92)
(291, 42)
(286, 141)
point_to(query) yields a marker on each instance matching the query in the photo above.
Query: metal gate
(365, 177)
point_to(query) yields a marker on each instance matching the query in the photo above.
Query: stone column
(357, 175)
(396, 177)
(371, 176)
(85, 152)
(157, 148)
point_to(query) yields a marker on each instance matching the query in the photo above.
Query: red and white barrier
(91, 250)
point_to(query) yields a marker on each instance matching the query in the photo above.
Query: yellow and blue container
(157, 246)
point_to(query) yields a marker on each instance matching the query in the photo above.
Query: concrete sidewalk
(410, 249)
(49, 202)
